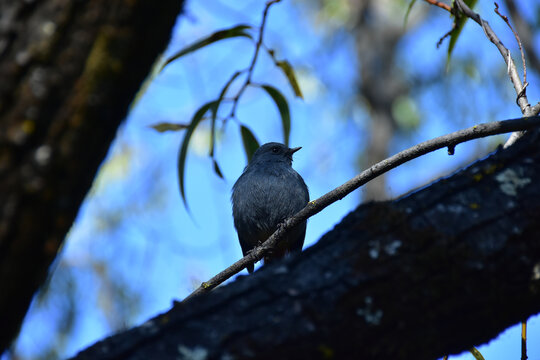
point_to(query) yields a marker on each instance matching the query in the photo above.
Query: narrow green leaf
(287, 69)
(183, 149)
(217, 169)
(235, 31)
(165, 126)
(459, 23)
(477, 354)
(409, 8)
(283, 108)
(250, 142)
(214, 113)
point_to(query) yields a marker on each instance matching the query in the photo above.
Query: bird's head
(274, 152)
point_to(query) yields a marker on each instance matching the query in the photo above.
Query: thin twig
(514, 76)
(439, 43)
(456, 14)
(521, 99)
(254, 59)
(505, 18)
(439, 4)
(523, 27)
(316, 206)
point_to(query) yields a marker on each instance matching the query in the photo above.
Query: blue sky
(134, 243)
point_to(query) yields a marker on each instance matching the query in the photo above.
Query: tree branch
(512, 70)
(518, 40)
(258, 45)
(315, 206)
(440, 4)
(521, 100)
(436, 272)
(525, 31)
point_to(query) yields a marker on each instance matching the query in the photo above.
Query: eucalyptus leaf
(217, 169)
(409, 8)
(459, 23)
(477, 354)
(250, 142)
(214, 113)
(166, 126)
(185, 143)
(283, 108)
(287, 69)
(235, 31)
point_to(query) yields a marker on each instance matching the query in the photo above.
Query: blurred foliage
(405, 112)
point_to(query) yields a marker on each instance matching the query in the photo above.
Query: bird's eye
(275, 149)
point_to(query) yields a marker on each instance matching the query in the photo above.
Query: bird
(268, 192)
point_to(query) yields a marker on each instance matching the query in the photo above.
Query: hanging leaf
(283, 108)
(250, 142)
(183, 149)
(287, 69)
(235, 31)
(477, 354)
(217, 170)
(459, 23)
(165, 126)
(409, 8)
(214, 113)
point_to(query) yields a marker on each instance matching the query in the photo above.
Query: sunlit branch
(439, 4)
(505, 19)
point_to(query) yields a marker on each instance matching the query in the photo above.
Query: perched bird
(268, 192)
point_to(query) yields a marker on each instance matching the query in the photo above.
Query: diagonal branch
(518, 40)
(526, 34)
(521, 100)
(512, 70)
(432, 273)
(316, 206)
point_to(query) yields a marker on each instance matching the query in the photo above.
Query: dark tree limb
(432, 273)
(69, 70)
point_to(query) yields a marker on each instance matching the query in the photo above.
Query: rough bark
(432, 273)
(69, 70)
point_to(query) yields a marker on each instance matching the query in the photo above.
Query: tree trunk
(432, 273)
(69, 70)
(381, 83)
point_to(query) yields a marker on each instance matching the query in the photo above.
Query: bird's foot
(281, 225)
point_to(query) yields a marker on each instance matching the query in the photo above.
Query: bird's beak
(293, 150)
